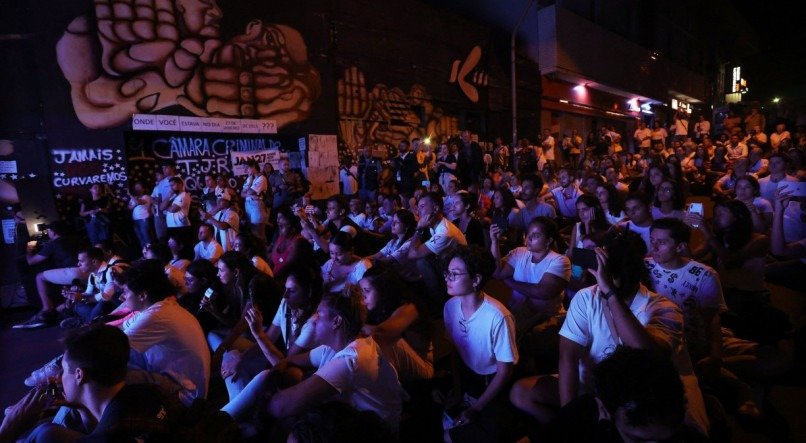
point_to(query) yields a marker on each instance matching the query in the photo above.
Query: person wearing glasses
(483, 331)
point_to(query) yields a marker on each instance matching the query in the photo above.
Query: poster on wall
(197, 154)
(74, 170)
(323, 165)
(239, 159)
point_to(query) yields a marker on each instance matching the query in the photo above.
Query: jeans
(251, 364)
(98, 230)
(142, 229)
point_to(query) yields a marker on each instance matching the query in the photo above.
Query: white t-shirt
(763, 205)
(258, 184)
(211, 251)
(520, 259)
(305, 339)
(358, 219)
(170, 341)
(695, 288)
(644, 137)
(179, 218)
(142, 211)
(444, 237)
(363, 378)
(400, 252)
(794, 226)
(587, 325)
(349, 185)
(614, 219)
(226, 237)
(484, 339)
(355, 275)
(768, 187)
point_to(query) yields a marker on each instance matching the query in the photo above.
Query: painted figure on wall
(140, 57)
(386, 116)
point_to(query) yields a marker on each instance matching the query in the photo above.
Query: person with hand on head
(344, 267)
(618, 310)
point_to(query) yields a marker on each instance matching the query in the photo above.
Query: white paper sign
(158, 122)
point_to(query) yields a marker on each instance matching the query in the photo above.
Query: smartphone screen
(695, 208)
(208, 293)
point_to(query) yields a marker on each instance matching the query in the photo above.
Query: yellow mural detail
(139, 56)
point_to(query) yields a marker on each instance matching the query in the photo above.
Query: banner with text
(175, 123)
(196, 154)
(75, 170)
(239, 159)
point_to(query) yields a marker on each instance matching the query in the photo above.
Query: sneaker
(42, 376)
(40, 320)
(71, 323)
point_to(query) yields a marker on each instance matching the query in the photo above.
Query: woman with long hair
(396, 251)
(739, 255)
(398, 324)
(287, 239)
(669, 200)
(748, 191)
(255, 249)
(612, 203)
(592, 219)
(538, 273)
(344, 267)
(504, 216)
(653, 176)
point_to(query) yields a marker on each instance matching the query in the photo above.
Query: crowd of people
(575, 290)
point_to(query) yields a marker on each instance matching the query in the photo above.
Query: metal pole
(514, 85)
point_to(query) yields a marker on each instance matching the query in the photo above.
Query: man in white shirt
(736, 148)
(548, 144)
(160, 194)
(565, 195)
(226, 222)
(444, 237)
(702, 128)
(778, 136)
(639, 216)
(176, 207)
(207, 248)
(757, 163)
(348, 177)
(642, 137)
(777, 164)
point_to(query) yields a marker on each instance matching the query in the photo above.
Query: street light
(514, 85)
(776, 99)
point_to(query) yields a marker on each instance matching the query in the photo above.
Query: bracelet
(606, 295)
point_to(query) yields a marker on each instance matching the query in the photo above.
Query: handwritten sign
(75, 169)
(323, 165)
(156, 122)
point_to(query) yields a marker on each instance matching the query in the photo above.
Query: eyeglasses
(451, 276)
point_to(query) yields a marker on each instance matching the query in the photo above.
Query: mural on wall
(140, 57)
(461, 69)
(385, 116)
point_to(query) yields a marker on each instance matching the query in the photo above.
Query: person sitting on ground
(463, 208)
(637, 396)
(207, 248)
(178, 258)
(618, 310)
(58, 255)
(254, 248)
(565, 195)
(398, 324)
(225, 221)
(483, 332)
(537, 273)
(336, 422)
(396, 252)
(337, 221)
(725, 186)
(612, 203)
(200, 277)
(591, 219)
(348, 367)
(287, 239)
(99, 296)
(669, 200)
(778, 163)
(504, 215)
(94, 368)
(639, 217)
(344, 267)
(748, 191)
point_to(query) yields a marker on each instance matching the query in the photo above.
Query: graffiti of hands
(136, 35)
(263, 73)
(354, 101)
(391, 119)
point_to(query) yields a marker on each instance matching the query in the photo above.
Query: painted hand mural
(145, 55)
(386, 116)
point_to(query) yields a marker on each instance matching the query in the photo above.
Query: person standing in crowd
(659, 134)
(483, 332)
(548, 143)
(285, 184)
(471, 163)
(369, 171)
(754, 119)
(226, 223)
(501, 155)
(406, 167)
(160, 194)
(446, 163)
(348, 178)
(210, 193)
(254, 188)
(642, 137)
(58, 255)
(96, 213)
(142, 214)
(681, 125)
(702, 128)
(177, 211)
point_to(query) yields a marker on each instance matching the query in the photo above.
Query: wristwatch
(606, 295)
